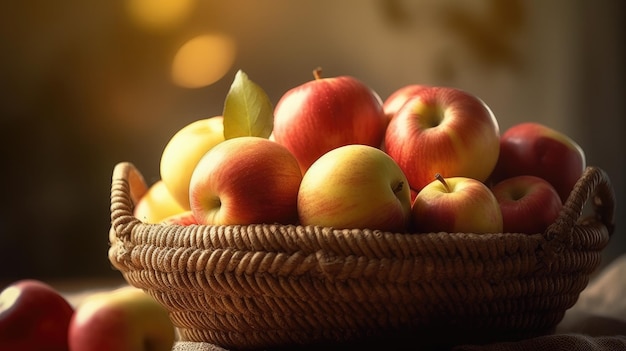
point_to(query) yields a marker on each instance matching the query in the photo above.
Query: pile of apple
(333, 153)
(35, 317)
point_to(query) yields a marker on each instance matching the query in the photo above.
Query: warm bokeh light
(159, 14)
(203, 60)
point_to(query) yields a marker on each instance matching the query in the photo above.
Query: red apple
(124, 319)
(246, 180)
(398, 98)
(532, 148)
(456, 205)
(355, 186)
(443, 130)
(33, 316)
(320, 115)
(528, 204)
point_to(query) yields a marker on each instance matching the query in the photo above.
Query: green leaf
(248, 110)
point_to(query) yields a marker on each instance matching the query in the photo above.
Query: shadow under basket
(278, 286)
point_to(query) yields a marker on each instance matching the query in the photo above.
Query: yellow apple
(355, 186)
(184, 150)
(124, 319)
(157, 204)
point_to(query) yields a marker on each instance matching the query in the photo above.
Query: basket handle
(127, 187)
(595, 185)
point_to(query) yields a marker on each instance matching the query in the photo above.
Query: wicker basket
(275, 286)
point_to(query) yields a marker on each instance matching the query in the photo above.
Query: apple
(157, 204)
(528, 204)
(325, 113)
(183, 151)
(33, 316)
(443, 130)
(532, 148)
(123, 319)
(456, 205)
(399, 97)
(355, 186)
(246, 180)
(183, 218)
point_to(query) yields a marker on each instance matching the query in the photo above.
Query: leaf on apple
(248, 110)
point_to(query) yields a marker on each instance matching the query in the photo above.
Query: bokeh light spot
(159, 14)
(203, 60)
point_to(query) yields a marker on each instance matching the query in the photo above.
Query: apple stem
(317, 73)
(440, 178)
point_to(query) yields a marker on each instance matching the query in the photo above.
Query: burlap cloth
(596, 323)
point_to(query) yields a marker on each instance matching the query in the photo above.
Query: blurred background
(87, 84)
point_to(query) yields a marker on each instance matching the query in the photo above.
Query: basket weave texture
(273, 286)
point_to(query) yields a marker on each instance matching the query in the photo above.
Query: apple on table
(325, 113)
(123, 319)
(33, 317)
(532, 148)
(456, 205)
(355, 186)
(443, 130)
(528, 204)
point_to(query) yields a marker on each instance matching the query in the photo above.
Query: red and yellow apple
(33, 316)
(124, 319)
(325, 113)
(246, 180)
(399, 97)
(355, 186)
(184, 150)
(456, 205)
(157, 204)
(443, 130)
(528, 204)
(532, 148)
